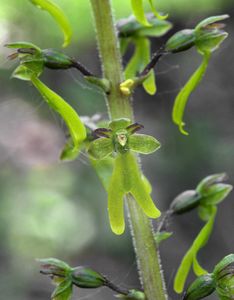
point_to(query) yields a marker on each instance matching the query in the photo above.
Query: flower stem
(119, 106)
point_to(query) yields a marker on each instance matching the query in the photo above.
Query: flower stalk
(119, 106)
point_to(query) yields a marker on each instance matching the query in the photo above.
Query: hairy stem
(119, 106)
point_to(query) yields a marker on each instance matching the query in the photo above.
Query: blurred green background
(53, 209)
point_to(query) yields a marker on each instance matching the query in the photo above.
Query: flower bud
(202, 287)
(181, 41)
(54, 267)
(185, 201)
(212, 190)
(224, 277)
(209, 40)
(54, 59)
(87, 278)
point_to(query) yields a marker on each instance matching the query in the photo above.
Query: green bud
(210, 40)
(224, 277)
(216, 193)
(54, 267)
(185, 201)
(54, 59)
(205, 184)
(209, 34)
(87, 278)
(181, 41)
(202, 287)
(212, 190)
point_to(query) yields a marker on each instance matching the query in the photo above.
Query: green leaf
(156, 13)
(63, 291)
(76, 127)
(57, 13)
(139, 60)
(100, 148)
(190, 256)
(138, 11)
(23, 45)
(182, 97)
(27, 70)
(210, 20)
(162, 236)
(144, 144)
(70, 152)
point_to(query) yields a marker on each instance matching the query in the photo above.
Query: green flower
(120, 141)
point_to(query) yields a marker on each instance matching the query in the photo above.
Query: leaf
(182, 97)
(156, 13)
(139, 60)
(190, 256)
(138, 11)
(23, 45)
(63, 291)
(210, 20)
(76, 127)
(57, 13)
(100, 148)
(144, 144)
(162, 236)
(27, 70)
(70, 152)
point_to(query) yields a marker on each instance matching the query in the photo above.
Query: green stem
(119, 106)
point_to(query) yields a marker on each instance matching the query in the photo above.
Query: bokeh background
(54, 209)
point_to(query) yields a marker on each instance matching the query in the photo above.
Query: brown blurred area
(54, 209)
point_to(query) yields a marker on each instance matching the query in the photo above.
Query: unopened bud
(224, 277)
(87, 278)
(54, 267)
(202, 287)
(212, 190)
(185, 201)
